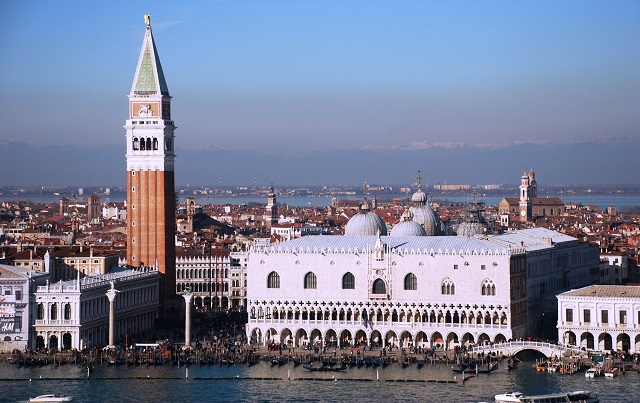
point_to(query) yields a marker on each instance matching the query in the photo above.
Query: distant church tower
(528, 190)
(271, 211)
(93, 208)
(150, 180)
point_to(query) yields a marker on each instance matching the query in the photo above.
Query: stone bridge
(514, 347)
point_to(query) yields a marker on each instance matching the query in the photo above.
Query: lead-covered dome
(365, 223)
(423, 214)
(428, 218)
(419, 196)
(408, 227)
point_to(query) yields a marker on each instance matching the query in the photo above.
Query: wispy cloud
(162, 25)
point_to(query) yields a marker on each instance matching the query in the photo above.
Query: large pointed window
(410, 282)
(348, 281)
(273, 280)
(310, 281)
(379, 287)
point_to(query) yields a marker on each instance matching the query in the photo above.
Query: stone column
(111, 295)
(187, 318)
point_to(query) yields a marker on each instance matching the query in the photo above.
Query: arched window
(155, 143)
(135, 143)
(149, 143)
(410, 282)
(348, 281)
(448, 287)
(488, 288)
(379, 287)
(40, 312)
(54, 312)
(67, 311)
(310, 281)
(142, 144)
(273, 281)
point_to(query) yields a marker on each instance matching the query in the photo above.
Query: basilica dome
(419, 196)
(428, 218)
(365, 223)
(423, 214)
(408, 227)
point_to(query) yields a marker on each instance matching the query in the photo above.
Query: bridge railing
(517, 345)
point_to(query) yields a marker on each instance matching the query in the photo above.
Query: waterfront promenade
(267, 382)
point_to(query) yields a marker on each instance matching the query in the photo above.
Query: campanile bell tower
(150, 179)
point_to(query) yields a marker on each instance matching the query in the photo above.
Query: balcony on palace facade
(56, 322)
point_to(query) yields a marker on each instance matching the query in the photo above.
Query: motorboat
(50, 398)
(592, 373)
(611, 372)
(509, 397)
(580, 396)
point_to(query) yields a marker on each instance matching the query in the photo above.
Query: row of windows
(7, 291)
(148, 144)
(604, 316)
(379, 287)
(145, 144)
(201, 273)
(53, 312)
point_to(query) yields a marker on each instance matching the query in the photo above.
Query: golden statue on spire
(147, 19)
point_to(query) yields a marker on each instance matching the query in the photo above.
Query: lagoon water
(602, 201)
(239, 384)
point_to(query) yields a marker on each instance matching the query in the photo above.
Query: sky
(300, 76)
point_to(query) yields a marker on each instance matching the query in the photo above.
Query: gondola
(324, 369)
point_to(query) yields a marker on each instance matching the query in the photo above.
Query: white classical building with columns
(16, 300)
(601, 317)
(75, 313)
(410, 290)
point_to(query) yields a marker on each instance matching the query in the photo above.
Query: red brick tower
(150, 181)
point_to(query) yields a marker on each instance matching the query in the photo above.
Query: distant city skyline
(289, 80)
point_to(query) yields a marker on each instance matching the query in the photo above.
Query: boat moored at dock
(580, 396)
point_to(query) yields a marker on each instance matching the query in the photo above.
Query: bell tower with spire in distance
(525, 197)
(150, 161)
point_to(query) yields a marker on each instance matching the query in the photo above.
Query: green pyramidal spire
(149, 78)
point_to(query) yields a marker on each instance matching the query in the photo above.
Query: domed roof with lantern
(423, 214)
(407, 227)
(365, 222)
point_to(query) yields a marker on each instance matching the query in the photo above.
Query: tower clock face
(523, 213)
